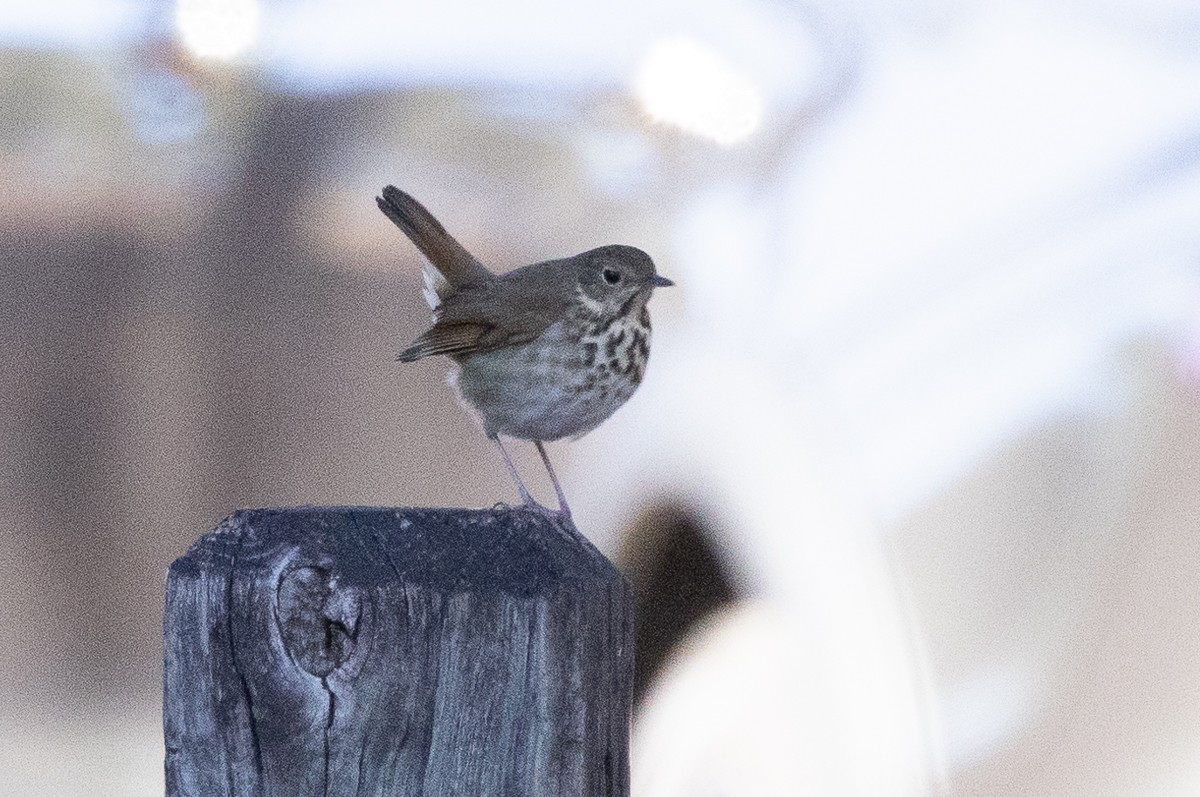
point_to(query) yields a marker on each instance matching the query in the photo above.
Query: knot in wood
(318, 619)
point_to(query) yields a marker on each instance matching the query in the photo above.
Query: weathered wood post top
(375, 651)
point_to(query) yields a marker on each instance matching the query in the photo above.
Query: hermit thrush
(544, 352)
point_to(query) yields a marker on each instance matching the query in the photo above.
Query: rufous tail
(453, 266)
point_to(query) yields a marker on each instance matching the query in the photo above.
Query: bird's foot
(560, 515)
(533, 505)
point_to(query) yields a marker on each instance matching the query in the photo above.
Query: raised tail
(452, 265)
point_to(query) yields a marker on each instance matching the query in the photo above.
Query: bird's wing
(460, 338)
(513, 309)
(444, 339)
(449, 266)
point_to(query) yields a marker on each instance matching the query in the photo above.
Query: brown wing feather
(444, 339)
(510, 310)
(516, 307)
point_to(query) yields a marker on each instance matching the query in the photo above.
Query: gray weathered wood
(369, 651)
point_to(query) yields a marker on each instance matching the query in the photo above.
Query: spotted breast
(565, 382)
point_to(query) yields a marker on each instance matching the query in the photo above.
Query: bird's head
(612, 275)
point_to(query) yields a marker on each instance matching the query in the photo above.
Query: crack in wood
(230, 614)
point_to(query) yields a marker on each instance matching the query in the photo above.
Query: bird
(540, 353)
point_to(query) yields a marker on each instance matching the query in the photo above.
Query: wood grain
(372, 651)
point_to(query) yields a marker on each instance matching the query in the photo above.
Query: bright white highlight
(217, 29)
(685, 83)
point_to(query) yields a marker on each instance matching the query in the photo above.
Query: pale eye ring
(611, 276)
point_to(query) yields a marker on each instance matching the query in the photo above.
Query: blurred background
(909, 495)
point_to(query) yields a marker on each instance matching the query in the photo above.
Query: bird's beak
(660, 281)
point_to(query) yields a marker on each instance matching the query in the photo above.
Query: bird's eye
(611, 276)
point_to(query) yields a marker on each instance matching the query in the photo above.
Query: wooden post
(371, 651)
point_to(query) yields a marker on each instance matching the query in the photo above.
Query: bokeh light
(218, 29)
(685, 83)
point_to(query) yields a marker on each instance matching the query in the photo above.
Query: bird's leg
(512, 471)
(562, 499)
